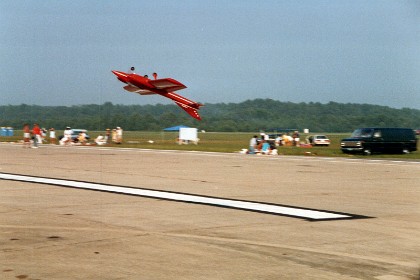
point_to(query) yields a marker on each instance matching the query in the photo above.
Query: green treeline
(247, 116)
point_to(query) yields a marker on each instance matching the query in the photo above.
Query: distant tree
(250, 115)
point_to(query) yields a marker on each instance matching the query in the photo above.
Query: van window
(362, 133)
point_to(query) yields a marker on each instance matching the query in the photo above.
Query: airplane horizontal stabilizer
(190, 110)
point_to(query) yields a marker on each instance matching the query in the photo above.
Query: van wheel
(405, 151)
(367, 152)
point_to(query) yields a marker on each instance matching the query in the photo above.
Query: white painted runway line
(268, 208)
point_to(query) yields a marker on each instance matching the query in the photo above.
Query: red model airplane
(165, 87)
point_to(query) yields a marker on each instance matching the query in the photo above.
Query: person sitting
(66, 140)
(258, 148)
(265, 149)
(253, 144)
(82, 138)
(277, 141)
(287, 139)
(100, 140)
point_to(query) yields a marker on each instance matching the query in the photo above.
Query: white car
(319, 140)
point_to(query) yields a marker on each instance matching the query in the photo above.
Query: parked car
(380, 140)
(75, 134)
(318, 140)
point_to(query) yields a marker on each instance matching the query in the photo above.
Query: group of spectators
(67, 138)
(262, 145)
(114, 136)
(36, 135)
(287, 139)
(266, 146)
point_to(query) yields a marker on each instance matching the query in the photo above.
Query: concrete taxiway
(52, 231)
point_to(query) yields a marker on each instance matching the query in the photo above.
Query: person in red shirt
(36, 131)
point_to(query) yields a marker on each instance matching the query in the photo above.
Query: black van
(380, 140)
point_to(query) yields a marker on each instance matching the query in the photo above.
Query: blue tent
(175, 128)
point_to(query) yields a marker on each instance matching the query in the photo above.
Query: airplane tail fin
(191, 110)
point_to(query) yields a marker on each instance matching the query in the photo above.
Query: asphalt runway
(50, 230)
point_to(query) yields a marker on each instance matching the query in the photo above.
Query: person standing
(43, 135)
(52, 136)
(119, 135)
(108, 136)
(36, 131)
(296, 138)
(114, 136)
(26, 136)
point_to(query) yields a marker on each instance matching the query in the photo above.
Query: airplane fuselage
(164, 87)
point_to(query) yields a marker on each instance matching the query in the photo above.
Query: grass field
(224, 142)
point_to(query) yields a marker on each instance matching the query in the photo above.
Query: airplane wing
(190, 110)
(167, 84)
(138, 90)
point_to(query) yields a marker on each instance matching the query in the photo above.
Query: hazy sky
(62, 52)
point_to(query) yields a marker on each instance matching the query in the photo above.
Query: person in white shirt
(253, 144)
(119, 135)
(68, 132)
(100, 140)
(67, 136)
(52, 136)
